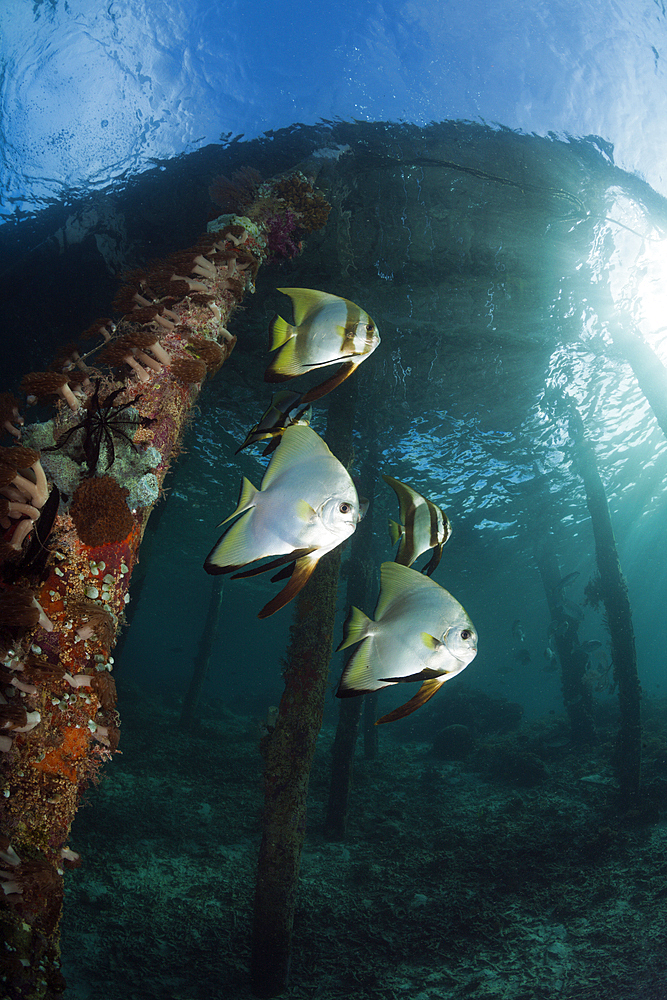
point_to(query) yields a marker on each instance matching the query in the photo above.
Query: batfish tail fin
(301, 573)
(355, 628)
(280, 331)
(361, 671)
(233, 549)
(426, 691)
(395, 531)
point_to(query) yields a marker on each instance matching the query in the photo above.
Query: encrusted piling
(65, 568)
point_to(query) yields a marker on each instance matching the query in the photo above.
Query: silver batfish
(306, 506)
(329, 330)
(423, 526)
(420, 633)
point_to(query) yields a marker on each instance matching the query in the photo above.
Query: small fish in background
(424, 526)
(307, 505)
(571, 610)
(419, 633)
(284, 410)
(521, 651)
(597, 676)
(328, 330)
(589, 646)
(565, 582)
(552, 660)
(518, 632)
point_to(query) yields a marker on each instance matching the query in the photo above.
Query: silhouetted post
(288, 751)
(614, 594)
(577, 696)
(360, 578)
(203, 658)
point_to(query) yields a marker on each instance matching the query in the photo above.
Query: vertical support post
(288, 751)
(614, 591)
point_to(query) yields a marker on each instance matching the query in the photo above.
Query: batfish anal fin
(426, 692)
(321, 390)
(303, 569)
(434, 561)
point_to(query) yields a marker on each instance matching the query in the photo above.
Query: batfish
(328, 330)
(424, 526)
(306, 506)
(419, 633)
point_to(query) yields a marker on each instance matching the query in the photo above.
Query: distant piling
(614, 594)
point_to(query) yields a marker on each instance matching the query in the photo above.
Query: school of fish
(307, 505)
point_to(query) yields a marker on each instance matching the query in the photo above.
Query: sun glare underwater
(333, 503)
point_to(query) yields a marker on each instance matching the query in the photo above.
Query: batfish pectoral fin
(321, 390)
(303, 568)
(426, 691)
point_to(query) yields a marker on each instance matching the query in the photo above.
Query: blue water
(498, 181)
(92, 92)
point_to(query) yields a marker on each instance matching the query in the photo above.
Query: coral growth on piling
(76, 492)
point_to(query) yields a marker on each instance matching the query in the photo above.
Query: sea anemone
(9, 414)
(24, 459)
(18, 609)
(92, 619)
(41, 385)
(10, 508)
(104, 687)
(209, 351)
(99, 511)
(103, 327)
(189, 370)
(118, 352)
(146, 340)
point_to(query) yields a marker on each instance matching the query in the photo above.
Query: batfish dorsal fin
(298, 443)
(407, 497)
(394, 578)
(303, 569)
(306, 300)
(426, 691)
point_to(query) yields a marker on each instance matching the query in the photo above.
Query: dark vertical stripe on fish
(351, 323)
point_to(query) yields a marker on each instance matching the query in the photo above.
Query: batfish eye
(466, 634)
(345, 508)
(369, 328)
